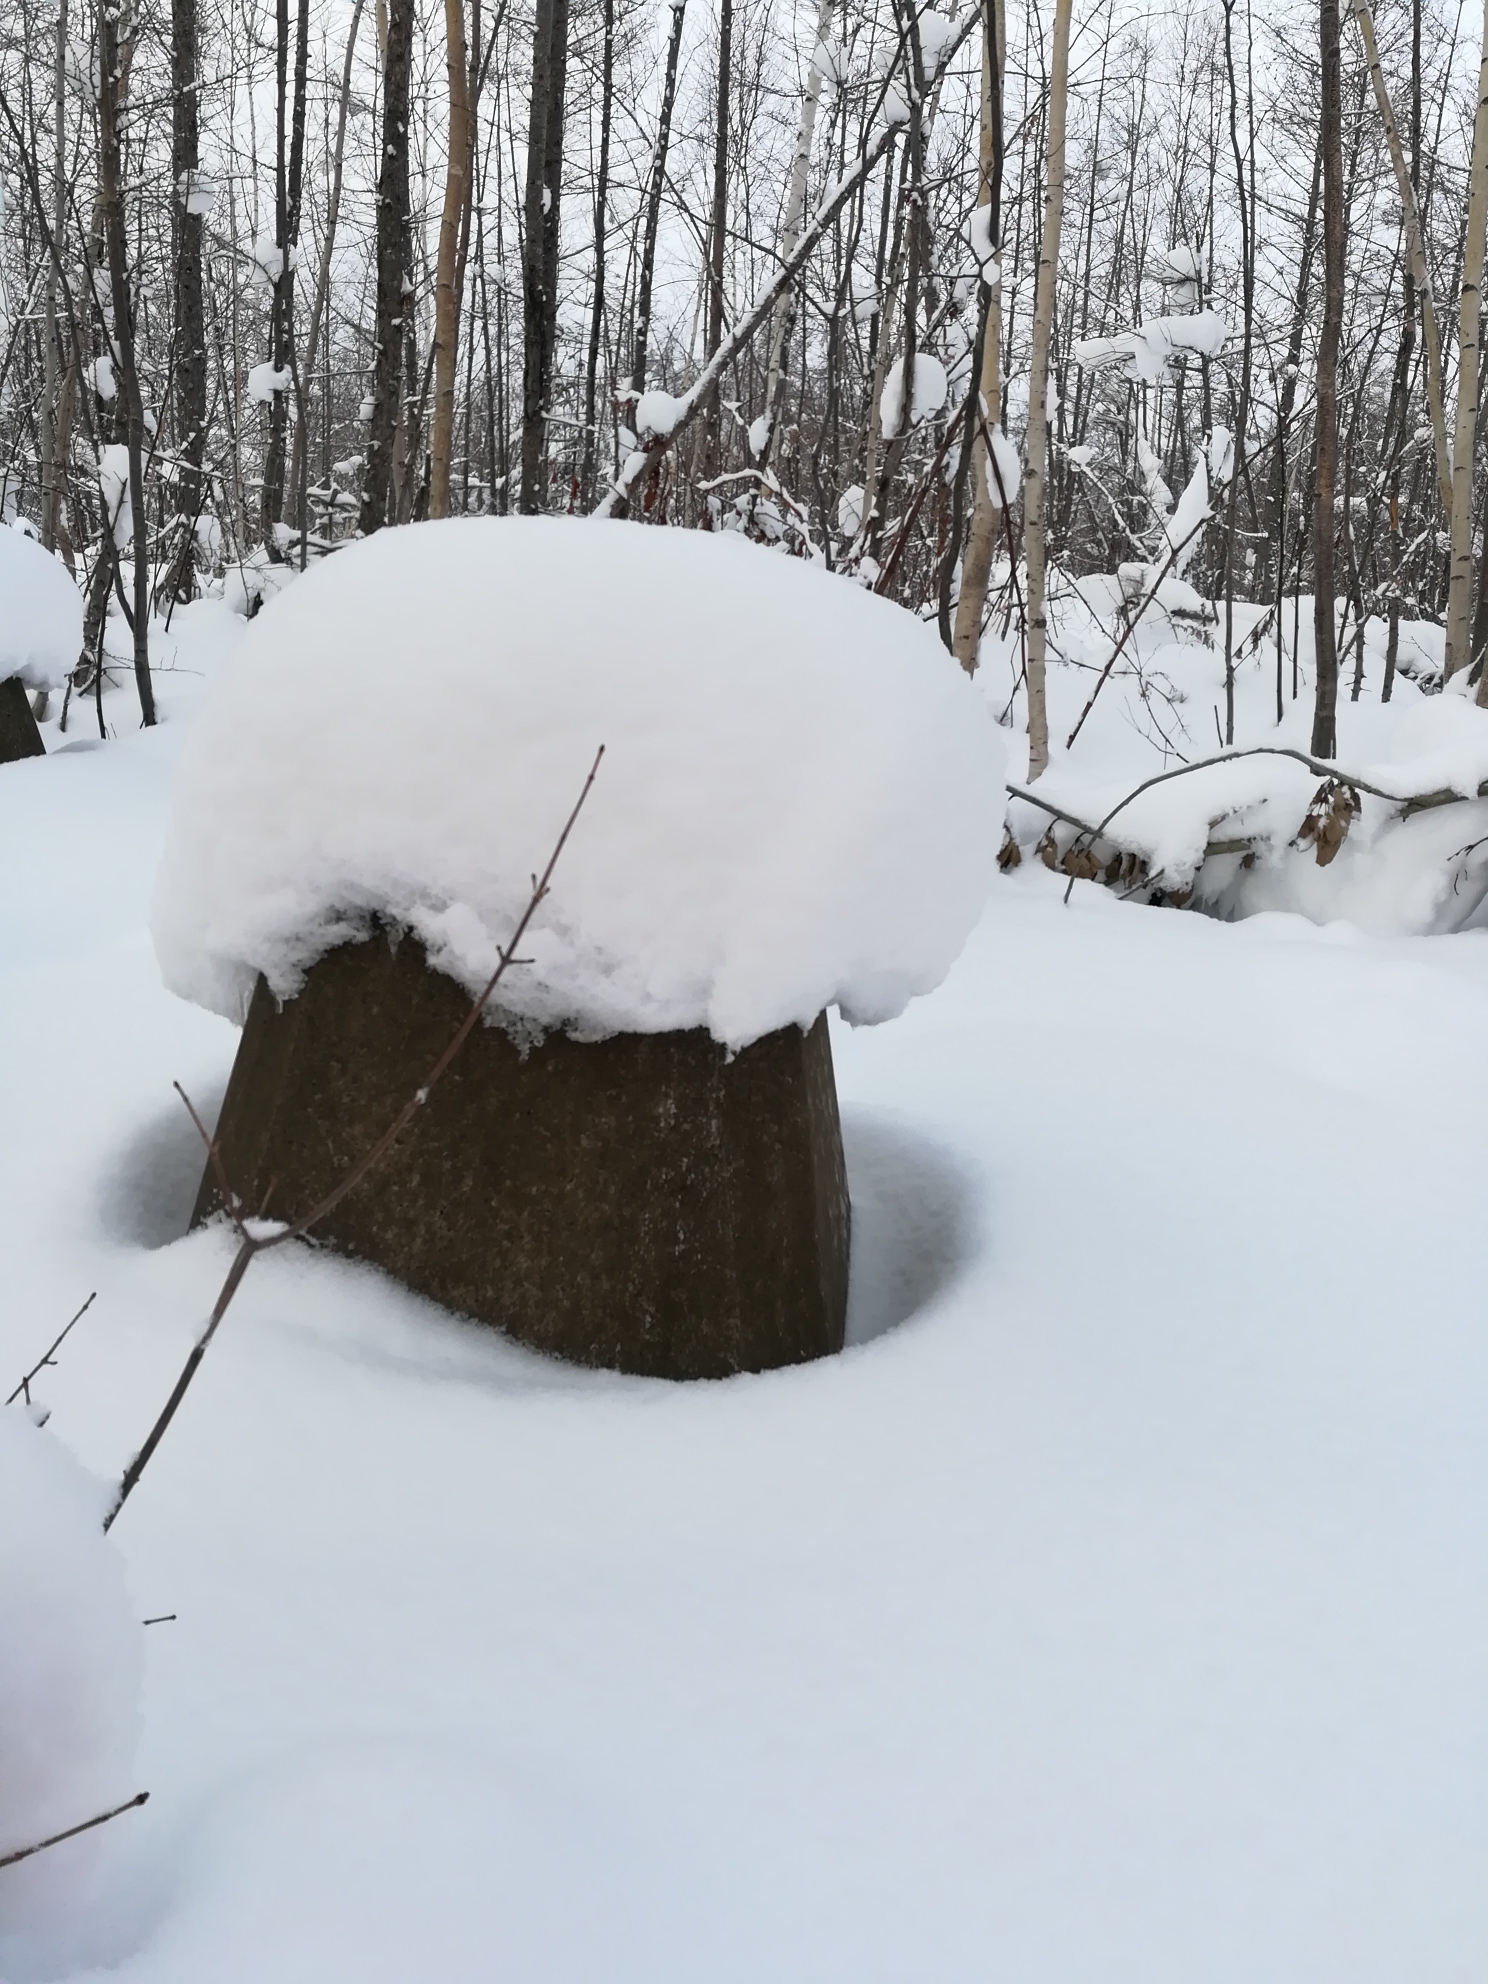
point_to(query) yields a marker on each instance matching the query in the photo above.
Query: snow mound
(799, 805)
(71, 1659)
(41, 613)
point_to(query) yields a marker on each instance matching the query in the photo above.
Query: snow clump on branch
(656, 414)
(799, 805)
(1150, 349)
(930, 388)
(265, 380)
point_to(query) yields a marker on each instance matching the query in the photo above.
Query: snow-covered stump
(642, 1202)
(637, 1163)
(41, 631)
(19, 736)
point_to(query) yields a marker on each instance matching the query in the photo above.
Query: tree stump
(19, 736)
(642, 1203)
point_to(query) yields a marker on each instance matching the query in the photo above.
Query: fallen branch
(1244, 844)
(101, 1819)
(252, 1243)
(1408, 802)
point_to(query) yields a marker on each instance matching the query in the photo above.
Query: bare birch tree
(1036, 444)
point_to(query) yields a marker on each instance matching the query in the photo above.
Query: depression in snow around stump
(637, 1161)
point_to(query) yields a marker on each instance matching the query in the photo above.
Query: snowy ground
(1113, 1610)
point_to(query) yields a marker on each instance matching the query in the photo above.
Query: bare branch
(252, 1244)
(101, 1819)
(23, 1389)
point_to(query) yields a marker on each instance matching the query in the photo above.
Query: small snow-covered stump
(41, 633)
(638, 1162)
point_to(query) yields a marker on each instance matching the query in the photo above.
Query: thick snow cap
(41, 613)
(798, 807)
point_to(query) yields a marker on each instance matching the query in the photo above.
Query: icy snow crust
(799, 804)
(41, 613)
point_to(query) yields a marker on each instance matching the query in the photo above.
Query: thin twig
(911, 515)
(252, 1244)
(214, 1157)
(24, 1387)
(102, 1819)
(1131, 627)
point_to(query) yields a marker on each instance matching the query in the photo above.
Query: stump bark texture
(19, 736)
(641, 1202)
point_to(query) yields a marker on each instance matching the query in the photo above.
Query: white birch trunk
(1036, 442)
(1459, 587)
(790, 230)
(981, 541)
(1415, 243)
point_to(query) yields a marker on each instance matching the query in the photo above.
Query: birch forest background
(272, 274)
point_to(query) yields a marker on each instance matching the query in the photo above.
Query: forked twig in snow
(99, 1819)
(23, 1389)
(251, 1243)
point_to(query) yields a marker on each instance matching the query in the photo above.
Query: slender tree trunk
(190, 357)
(1036, 444)
(447, 290)
(1242, 411)
(647, 275)
(718, 229)
(328, 249)
(1276, 502)
(1405, 180)
(392, 268)
(1325, 707)
(52, 452)
(540, 241)
(976, 566)
(271, 494)
(115, 234)
(783, 322)
(601, 202)
(288, 185)
(1459, 585)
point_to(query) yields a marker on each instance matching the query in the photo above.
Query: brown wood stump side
(19, 737)
(641, 1203)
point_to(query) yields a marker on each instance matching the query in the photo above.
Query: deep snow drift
(798, 806)
(1114, 1609)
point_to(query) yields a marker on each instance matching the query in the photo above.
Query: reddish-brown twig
(251, 1244)
(100, 1819)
